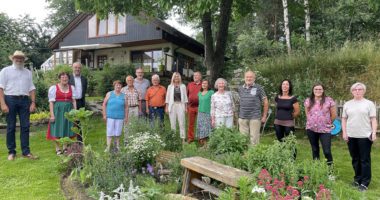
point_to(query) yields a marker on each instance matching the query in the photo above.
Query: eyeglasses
(358, 89)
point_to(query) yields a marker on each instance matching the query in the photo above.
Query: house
(152, 44)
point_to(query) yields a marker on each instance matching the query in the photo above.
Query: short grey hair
(358, 84)
(77, 62)
(217, 82)
(156, 76)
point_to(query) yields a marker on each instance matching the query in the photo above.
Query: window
(149, 60)
(114, 24)
(102, 60)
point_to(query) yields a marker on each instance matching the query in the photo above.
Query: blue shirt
(115, 106)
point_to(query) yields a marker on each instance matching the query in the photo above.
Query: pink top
(319, 117)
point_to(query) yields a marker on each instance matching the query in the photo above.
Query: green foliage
(233, 159)
(42, 101)
(144, 147)
(224, 140)
(82, 116)
(63, 11)
(227, 194)
(39, 117)
(105, 172)
(26, 35)
(277, 158)
(171, 139)
(51, 76)
(105, 78)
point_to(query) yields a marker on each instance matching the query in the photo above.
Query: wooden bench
(196, 167)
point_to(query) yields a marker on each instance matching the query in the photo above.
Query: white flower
(257, 189)
(306, 198)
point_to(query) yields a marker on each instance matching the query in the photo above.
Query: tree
(307, 20)
(23, 34)
(286, 25)
(211, 14)
(63, 11)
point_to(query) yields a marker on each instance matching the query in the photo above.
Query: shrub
(172, 139)
(109, 74)
(105, 172)
(224, 140)
(143, 147)
(277, 158)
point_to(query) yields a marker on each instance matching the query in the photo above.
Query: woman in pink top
(320, 113)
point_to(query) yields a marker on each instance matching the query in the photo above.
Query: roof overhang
(90, 46)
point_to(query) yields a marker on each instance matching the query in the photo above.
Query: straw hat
(18, 54)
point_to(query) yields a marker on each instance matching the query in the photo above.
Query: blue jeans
(18, 106)
(154, 113)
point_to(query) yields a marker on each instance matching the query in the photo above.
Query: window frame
(97, 23)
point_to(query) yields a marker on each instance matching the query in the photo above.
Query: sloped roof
(169, 33)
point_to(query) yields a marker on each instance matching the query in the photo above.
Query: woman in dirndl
(61, 100)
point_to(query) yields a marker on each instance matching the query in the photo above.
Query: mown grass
(25, 179)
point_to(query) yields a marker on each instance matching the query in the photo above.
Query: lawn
(40, 179)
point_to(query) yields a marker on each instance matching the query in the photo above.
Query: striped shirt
(251, 99)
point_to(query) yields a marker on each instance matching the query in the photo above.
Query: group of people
(206, 108)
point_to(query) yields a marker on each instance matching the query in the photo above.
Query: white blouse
(53, 90)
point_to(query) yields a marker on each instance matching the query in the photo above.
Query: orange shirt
(155, 96)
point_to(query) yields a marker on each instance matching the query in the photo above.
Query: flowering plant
(273, 188)
(144, 147)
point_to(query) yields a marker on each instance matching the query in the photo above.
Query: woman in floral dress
(204, 117)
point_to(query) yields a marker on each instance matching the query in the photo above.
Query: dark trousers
(282, 131)
(360, 151)
(18, 106)
(155, 112)
(325, 139)
(80, 104)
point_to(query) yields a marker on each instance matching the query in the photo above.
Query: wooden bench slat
(214, 170)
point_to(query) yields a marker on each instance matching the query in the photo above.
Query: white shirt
(78, 87)
(53, 90)
(16, 81)
(358, 114)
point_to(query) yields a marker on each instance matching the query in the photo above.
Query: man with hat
(17, 96)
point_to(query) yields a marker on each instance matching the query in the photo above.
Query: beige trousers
(177, 112)
(251, 127)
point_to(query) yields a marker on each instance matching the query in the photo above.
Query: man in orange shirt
(155, 100)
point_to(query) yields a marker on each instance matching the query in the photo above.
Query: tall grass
(337, 69)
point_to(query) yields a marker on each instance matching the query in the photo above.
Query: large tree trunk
(214, 55)
(286, 25)
(307, 20)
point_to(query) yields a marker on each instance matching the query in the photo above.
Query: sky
(37, 10)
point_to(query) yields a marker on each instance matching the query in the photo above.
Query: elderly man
(17, 96)
(193, 89)
(155, 100)
(80, 84)
(141, 84)
(252, 96)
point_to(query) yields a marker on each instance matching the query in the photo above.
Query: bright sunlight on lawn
(40, 179)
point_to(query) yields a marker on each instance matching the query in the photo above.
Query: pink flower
(305, 178)
(260, 182)
(295, 193)
(300, 184)
(268, 187)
